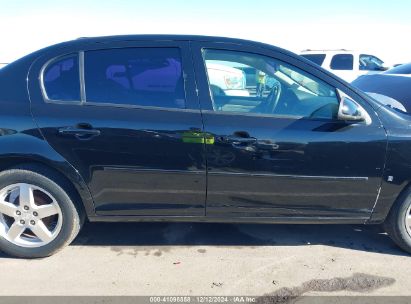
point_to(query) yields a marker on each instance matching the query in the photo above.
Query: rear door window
(343, 62)
(61, 79)
(135, 76)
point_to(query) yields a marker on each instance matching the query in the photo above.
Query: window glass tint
(401, 69)
(342, 62)
(316, 58)
(371, 63)
(250, 83)
(61, 79)
(135, 76)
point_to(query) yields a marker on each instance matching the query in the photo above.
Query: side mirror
(349, 110)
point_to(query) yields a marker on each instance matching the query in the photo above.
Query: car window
(250, 83)
(316, 58)
(135, 76)
(342, 62)
(61, 79)
(370, 63)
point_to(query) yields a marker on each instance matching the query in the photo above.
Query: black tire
(395, 225)
(62, 191)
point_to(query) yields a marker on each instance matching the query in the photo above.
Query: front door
(126, 116)
(275, 146)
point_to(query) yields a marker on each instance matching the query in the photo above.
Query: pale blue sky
(396, 11)
(27, 25)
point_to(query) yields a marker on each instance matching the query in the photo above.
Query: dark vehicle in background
(391, 87)
(128, 128)
(402, 69)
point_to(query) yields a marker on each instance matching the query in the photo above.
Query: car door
(126, 116)
(283, 153)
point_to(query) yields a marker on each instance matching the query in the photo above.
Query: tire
(52, 204)
(396, 222)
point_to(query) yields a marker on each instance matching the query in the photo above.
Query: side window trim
(82, 100)
(42, 83)
(82, 82)
(295, 117)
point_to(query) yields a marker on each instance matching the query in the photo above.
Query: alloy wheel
(407, 220)
(29, 215)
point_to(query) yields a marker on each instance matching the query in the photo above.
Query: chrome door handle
(240, 140)
(80, 131)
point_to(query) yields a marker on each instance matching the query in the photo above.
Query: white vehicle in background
(225, 80)
(346, 64)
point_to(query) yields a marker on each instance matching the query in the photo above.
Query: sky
(379, 27)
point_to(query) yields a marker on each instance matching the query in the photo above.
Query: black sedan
(170, 128)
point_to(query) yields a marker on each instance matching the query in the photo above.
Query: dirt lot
(216, 259)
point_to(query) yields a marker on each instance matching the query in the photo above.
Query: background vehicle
(2, 65)
(403, 69)
(345, 63)
(391, 87)
(128, 128)
(227, 80)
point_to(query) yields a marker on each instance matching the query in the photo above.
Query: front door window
(250, 83)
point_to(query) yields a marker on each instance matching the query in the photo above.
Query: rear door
(126, 116)
(283, 153)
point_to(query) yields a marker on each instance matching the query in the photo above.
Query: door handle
(240, 140)
(81, 131)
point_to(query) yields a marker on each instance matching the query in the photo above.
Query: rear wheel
(37, 214)
(398, 222)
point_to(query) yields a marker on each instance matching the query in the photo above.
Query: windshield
(370, 62)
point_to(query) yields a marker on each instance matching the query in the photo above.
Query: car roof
(170, 37)
(308, 51)
(158, 37)
(149, 37)
(79, 42)
(404, 69)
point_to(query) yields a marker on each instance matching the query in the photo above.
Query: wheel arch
(388, 197)
(63, 169)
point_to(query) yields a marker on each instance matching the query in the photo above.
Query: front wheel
(37, 215)
(398, 222)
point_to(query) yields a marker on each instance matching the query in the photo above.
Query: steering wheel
(274, 97)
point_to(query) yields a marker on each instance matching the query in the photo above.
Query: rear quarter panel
(20, 139)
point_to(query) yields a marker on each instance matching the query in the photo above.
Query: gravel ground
(287, 261)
